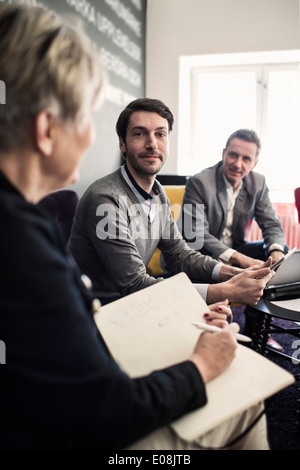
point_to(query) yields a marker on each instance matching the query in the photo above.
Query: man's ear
(44, 132)
(256, 162)
(122, 146)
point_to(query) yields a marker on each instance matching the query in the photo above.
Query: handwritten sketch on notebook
(152, 329)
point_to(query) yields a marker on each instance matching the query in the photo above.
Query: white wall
(190, 27)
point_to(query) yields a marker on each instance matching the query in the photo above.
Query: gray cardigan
(112, 244)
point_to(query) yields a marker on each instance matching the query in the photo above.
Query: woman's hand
(219, 314)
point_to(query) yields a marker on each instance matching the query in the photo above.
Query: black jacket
(59, 388)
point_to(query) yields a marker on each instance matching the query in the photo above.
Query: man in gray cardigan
(122, 218)
(232, 196)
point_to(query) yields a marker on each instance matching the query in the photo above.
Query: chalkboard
(117, 29)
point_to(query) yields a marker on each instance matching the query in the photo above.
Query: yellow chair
(175, 195)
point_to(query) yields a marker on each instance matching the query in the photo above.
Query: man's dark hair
(248, 135)
(142, 104)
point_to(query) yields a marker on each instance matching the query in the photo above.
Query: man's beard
(149, 170)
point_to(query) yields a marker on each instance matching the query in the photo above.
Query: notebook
(152, 329)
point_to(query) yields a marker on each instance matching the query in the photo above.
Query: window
(224, 93)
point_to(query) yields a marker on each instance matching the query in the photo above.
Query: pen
(213, 328)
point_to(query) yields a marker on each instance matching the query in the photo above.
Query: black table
(265, 311)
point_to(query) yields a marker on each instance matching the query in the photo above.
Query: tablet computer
(278, 263)
(287, 271)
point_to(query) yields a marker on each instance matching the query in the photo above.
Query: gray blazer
(208, 188)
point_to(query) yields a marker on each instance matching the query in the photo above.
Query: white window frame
(190, 66)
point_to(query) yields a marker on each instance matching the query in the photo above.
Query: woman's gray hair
(45, 64)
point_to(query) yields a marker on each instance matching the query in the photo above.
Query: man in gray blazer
(231, 196)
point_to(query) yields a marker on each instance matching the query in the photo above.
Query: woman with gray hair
(60, 388)
(53, 82)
